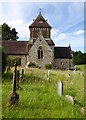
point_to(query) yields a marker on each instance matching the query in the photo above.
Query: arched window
(40, 53)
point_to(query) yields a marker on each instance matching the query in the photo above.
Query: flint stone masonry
(48, 54)
(67, 63)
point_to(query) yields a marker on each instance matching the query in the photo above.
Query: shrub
(48, 66)
(31, 64)
(11, 61)
(2, 60)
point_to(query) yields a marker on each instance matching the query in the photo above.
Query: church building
(40, 49)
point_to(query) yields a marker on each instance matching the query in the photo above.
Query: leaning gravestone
(60, 88)
(70, 99)
(83, 110)
(14, 97)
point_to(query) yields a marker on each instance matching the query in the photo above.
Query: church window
(40, 53)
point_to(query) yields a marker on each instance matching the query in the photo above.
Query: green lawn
(39, 98)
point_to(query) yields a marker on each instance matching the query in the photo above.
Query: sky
(66, 19)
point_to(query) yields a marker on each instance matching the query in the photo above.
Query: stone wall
(63, 63)
(48, 54)
(23, 59)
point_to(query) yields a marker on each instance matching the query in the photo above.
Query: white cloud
(79, 32)
(54, 33)
(61, 36)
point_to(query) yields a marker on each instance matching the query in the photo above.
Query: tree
(8, 33)
(2, 60)
(79, 58)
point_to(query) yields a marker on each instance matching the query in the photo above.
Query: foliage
(39, 98)
(11, 61)
(79, 58)
(8, 33)
(0, 59)
(31, 64)
(48, 66)
(3, 62)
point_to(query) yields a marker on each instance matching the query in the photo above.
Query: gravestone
(14, 97)
(30, 71)
(46, 76)
(60, 88)
(22, 75)
(17, 81)
(83, 110)
(70, 99)
(48, 73)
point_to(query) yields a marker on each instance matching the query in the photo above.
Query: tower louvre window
(40, 53)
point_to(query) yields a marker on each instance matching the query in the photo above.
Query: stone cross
(14, 77)
(60, 88)
(17, 80)
(14, 97)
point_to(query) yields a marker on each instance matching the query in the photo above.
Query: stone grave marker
(70, 99)
(60, 88)
(17, 81)
(14, 97)
(30, 71)
(22, 75)
(83, 110)
(48, 73)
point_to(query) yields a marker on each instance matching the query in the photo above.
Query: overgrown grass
(38, 97)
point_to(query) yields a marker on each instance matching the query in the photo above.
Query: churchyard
(44, 94)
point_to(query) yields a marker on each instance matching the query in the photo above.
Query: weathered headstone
(22, 75)
(75, 67)
(69, 75)
(17, 81)
(22, 72)
(30, 71)
(70, 99)
(48, 73)
(14, 97)
(83, 110)
(60, 88)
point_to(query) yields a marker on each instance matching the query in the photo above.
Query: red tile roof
(13, 47)
(62, 52)
(50, 42)
(40, 22)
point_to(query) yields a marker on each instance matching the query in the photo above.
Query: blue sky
(66, 19)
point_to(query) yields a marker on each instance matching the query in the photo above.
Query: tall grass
(38, 97)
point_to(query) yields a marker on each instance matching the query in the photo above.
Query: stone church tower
(41, 51)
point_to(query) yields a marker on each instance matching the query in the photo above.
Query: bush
(32, 65)
(48, 66)
(2, 60)
(11, 61)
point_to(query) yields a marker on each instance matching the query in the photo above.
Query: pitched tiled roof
(50, 42)
(15, 47)
(62, 52)
(40, 22)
